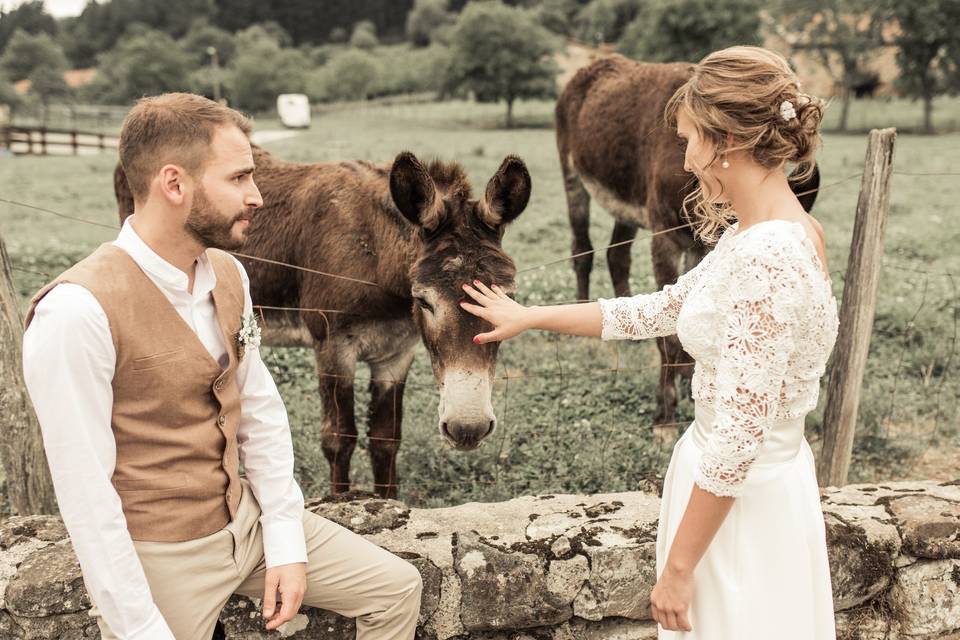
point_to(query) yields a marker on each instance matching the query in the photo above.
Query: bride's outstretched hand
(507, 316)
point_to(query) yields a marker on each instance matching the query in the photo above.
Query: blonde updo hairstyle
(739, 91)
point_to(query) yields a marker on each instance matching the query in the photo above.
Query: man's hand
(290, 580)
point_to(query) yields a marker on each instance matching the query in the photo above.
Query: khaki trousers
(191, 581)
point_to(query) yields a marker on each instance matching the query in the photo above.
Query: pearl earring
(725, 164)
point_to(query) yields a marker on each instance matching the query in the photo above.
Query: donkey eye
(423, 304)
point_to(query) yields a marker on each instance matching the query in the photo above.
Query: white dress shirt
(69, 361)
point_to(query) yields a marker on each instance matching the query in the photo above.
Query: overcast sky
(58, 8)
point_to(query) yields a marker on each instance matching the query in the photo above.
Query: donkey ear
(507, 193)
(413, 191)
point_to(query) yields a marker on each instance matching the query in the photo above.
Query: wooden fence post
(857, 311)
(29, 488)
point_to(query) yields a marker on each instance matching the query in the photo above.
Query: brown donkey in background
(404, 237)
(615, 147)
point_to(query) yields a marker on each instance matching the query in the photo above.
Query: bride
(741, 548)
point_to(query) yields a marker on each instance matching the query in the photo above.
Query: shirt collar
(161, 271)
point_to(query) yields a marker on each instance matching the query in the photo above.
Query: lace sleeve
(761, 296)
(649, 315)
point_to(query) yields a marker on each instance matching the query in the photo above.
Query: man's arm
(266, 450)
(68, 366)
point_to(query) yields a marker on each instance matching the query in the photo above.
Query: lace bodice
(759, 318)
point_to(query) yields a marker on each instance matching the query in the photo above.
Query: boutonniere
(249, 335)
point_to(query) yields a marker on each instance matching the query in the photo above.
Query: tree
(352, 75)
(928, 50)
(605, 20)
(687, 30)
(30, 17)
(364, 35)
(27, 52)
(501, 53)
(557, 15)
(262, 69)
(425, 18)
(841, 35)
(48, 86)
(203, 35)
(144, 62)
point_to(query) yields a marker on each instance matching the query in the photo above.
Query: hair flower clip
(787, 111)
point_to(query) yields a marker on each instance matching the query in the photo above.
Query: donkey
(382, 252)
(615, 147)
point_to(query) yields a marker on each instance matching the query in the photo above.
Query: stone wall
(563, 567)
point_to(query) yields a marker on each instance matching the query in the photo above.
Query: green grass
(571, 425)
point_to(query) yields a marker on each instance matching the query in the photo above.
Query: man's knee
(405, 580)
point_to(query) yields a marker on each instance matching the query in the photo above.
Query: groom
(150, 397)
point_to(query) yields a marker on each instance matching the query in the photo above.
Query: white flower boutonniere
(249, 335)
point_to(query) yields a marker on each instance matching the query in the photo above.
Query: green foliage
(364, 35)
(928, 50)
(501, 53)
(144, 62)
(687, 30)
(557, 15)
(48, 85)
(8, 95)
(26, 52)
(30, 17)
(841, 34)
(605, 20)
(262, 69)
(426, 17)
(203, 35)
(352, 75)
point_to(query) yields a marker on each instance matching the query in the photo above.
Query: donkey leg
(666, 259)
(618, 257)
(578, 208)
(387, 383)
(338, 429)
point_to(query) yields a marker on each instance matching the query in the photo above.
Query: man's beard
(209, 227)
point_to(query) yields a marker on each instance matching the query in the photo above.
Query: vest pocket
(166, 482)
(158, 359)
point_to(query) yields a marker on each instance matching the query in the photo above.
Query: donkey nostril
(445, 428)
(493, 424)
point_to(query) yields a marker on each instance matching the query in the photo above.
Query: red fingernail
(476, 340)
(476, 282)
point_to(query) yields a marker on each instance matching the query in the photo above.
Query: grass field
(571, 425)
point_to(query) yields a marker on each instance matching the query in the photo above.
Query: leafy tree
(605, 20)
(501, 53)
(364, 35)
(352, 75)
(203, 35)
(144, 62)
(48, 86)
(425, 18)
(841, 34)
(687, 30)
(557, 15)
(928, 50)
(26, 52)
(30, 17)
(262, 69)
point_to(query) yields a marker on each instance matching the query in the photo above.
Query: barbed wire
(561, 374)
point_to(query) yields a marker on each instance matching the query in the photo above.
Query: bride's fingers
(476, 295)
(475, 309)
(498, 291)
(484, 288)
(483, 338)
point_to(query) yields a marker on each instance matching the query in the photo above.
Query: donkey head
(461, 241)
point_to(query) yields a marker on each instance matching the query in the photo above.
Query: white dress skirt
(765, 574)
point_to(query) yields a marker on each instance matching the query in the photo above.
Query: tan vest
(175, 409)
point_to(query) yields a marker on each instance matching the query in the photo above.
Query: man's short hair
(171, 128)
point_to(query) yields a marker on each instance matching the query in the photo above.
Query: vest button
(222, 420)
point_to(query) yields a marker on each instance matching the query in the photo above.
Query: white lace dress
(759, 318)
